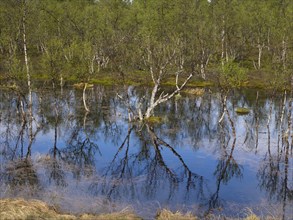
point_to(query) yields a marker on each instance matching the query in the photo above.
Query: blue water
(100, 162)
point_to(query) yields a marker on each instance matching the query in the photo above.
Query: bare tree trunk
(30, 101)
(259, 56)
(268, 125)
(281, 128)
(84, 98)
(163, 97)
(284, 52)
(256, 121)
(223, 46)
(61, 84)
(226, 111)
(204, 62)
(152, 101)
(260, 48)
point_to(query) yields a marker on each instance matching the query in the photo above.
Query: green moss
(178, 96)
(81, 85)
(194, 91)
(242, 111)
(105, 81)
(154, 120)
(193, 83)
(201, 84)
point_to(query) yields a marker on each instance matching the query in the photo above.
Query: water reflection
(146, 171)
(203, 157)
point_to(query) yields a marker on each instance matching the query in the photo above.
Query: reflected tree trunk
(268, 124)
(227, 168)
(226, 111)
(256, 118)
(84, 97)
(281, 127)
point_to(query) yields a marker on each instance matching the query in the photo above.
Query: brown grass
(21, 209)
(194, 91)
(168, 215)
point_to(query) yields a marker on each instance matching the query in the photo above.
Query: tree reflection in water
(145, 172)
(129, 162)
(226, 169)
(274, 174)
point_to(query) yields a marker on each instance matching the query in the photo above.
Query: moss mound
(154, 120)
(194, 91)
(81, 85)
(242, 111)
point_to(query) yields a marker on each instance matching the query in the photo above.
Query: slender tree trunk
(223, 47)
(256, 117)
(152, 101)
(259, 56)
(268, 125)
(260, 48)
(84, 98)
(284, 52)
(61, 84)
(202, 64)
(30, 101)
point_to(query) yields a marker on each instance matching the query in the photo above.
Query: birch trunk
(30, 101)
(152, 101)
(163, 97)
(259, 56)
(260, 48)
(84, 98)
(223, 47)
(284, 52)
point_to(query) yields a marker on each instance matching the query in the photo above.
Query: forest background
(120, 41)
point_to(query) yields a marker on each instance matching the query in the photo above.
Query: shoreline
(19, 208)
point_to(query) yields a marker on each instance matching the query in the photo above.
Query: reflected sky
(190, 161)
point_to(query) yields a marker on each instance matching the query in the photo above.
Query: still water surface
(99, 162)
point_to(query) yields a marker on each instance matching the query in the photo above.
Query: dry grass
(81, 85)
(21, 209)
(168, 215)
(32, 209)
(194, 91)
(113, 216)
(252, 217)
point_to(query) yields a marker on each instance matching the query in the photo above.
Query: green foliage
(232, 74)
(15, 69)
(81, 39)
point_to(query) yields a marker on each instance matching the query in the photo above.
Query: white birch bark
(30, 101)
(84, 98)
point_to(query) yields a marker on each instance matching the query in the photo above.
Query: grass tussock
(168, 215)
(32, 209)
(81, 85)
(242, 111)
(21, 209)
(252, 217)
(194, 91)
